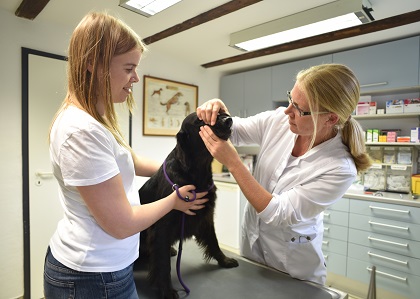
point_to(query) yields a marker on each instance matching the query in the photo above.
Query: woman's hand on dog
(222, 150)
(188, 206)
(208, 111)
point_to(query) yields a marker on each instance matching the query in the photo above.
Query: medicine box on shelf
(394, 106)
(412, 105)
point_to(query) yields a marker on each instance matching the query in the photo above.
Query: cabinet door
(284, 76)
(257, 91)
(384, 66)
(232, 93)
(227, 215)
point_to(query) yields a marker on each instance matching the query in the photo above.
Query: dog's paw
(228, 263)
(168, 294)
(174, 252)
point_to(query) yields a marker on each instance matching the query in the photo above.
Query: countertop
(248, 280)
(385, 197)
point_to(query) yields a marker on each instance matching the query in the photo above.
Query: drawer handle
(387, 274)
(326, 229)
(374, 84)
(390, 210)
(325, 242)
(325, 256)
(388, 242)
(388, 225)
(327, 214)
(387, 258)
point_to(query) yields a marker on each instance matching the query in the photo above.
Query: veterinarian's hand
(208, 111)
(222, 150)
(189, 207)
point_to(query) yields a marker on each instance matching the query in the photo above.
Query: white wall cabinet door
(228, 214)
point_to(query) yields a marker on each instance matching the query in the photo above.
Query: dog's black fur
(188, 163)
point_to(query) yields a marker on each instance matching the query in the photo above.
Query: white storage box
(412, 105)
(394, 106)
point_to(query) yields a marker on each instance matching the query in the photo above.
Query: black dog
(188, 163)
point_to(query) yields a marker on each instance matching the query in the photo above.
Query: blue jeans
(63, 282)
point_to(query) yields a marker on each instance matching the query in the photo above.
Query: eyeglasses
(302, 113)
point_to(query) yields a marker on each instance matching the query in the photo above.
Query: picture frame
(165, 105)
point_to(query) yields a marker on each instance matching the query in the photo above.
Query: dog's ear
(182, 151)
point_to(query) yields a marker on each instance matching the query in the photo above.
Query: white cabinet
(284, 76)
(334, 244)
(247, 93)
(228, 214)
(384, 66)
(232, 93)
(257, 91)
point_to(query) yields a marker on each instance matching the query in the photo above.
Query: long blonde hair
(335, 88)
(95, 41)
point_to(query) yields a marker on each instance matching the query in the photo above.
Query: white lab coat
(288, 234)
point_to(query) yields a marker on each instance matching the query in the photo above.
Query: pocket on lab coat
(305, 261)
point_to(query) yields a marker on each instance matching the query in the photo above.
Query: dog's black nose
(228, 121)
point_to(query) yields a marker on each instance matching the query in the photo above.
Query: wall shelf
(386, 116)
(407, 89)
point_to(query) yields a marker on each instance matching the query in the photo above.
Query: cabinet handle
(44, 174)
(388, 242)
(325, 242)
(325, 256)
(388, 225)
(387, 258)
(374, 84)
(387, 274)
(326, 214)
(390, 210)
(326, 229)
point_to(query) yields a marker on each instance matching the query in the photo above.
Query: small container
(374, 179)
(391, 136)
(390, 155)
(398, 178)
(369, 135)
(376, 153)
(404, 155)
(415, 184)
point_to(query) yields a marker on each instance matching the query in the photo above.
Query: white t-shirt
(83, 152)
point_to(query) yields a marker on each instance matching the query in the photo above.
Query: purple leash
(187, 199)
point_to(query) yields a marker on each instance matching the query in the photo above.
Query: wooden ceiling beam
(29, 9)
(379, 25)
(200, 19)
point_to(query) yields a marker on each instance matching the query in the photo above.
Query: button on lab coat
(287, 234)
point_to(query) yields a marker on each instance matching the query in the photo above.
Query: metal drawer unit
(386, 236)
(386, 278)
(384, 242)
(386, 210)
(385, 258)
(334, 244)
(384, 226)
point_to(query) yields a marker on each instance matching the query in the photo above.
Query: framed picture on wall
(165, 105)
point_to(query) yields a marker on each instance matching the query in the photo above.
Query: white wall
(14, 34)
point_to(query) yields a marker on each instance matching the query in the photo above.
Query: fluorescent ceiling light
(333, 16)
(147, 8)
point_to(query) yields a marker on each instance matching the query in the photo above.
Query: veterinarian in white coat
(310, 153)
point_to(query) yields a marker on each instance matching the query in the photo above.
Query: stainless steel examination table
(248, 280)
